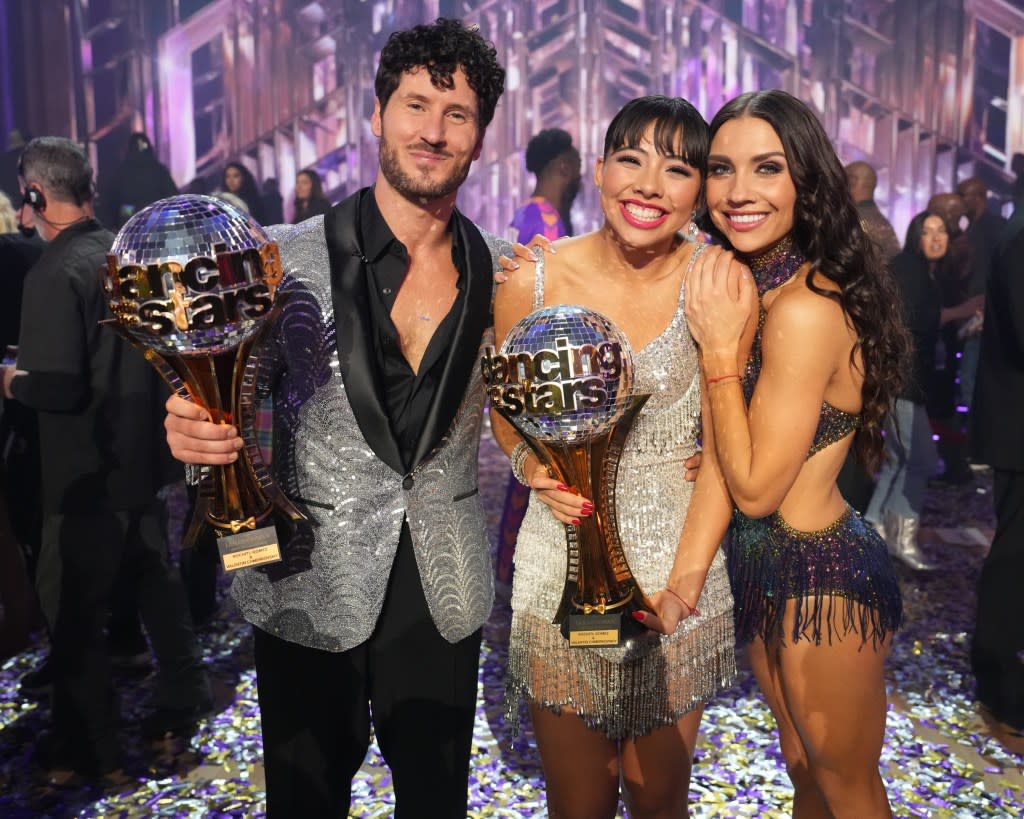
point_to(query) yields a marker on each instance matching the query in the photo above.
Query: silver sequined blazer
(334, 455)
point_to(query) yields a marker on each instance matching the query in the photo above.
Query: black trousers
(316, 711)
(82, 556)
(997, 652)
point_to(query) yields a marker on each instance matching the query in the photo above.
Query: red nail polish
(562, 487)
(575, 521)
(638, 615)
(588, 506)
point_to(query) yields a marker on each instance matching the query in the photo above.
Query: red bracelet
(692, 609)
(718, 378)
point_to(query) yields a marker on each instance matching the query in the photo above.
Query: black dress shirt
(407, 395)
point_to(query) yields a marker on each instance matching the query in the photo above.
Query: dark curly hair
(828, 230)
(442, 47)
(545, 147)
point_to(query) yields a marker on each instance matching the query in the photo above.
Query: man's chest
(424, 300)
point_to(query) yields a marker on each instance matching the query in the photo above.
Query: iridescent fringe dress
(654, 680)
(841, 576)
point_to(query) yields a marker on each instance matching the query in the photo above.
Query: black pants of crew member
(997, 653)
(81, 557)
(316, 710)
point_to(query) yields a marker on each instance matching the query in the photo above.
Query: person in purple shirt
(551, 156)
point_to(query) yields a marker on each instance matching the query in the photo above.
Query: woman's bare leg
(656, 770)
(808, 801)
(835, 696)
(581, 766)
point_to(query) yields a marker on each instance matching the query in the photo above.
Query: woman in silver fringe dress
(629, 713)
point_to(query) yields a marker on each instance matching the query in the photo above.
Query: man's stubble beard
(419, 188)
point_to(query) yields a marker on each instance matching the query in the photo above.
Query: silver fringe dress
(651, 681)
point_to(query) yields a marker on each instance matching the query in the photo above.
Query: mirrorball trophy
(564, 378)
(192, 282)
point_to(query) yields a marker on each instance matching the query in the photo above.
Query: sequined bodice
(665, 368)
(770, 270)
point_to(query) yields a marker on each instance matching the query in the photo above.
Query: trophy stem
(224, 384)
(599, 587)
(598, 578)
(213, 382)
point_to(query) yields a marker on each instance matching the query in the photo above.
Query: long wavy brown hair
(828, 230)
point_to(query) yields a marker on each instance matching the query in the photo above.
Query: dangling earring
(691, 231)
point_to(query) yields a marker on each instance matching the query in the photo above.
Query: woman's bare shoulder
(805, 314)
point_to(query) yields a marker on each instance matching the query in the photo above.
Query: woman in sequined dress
(816, 594)
(632, 712)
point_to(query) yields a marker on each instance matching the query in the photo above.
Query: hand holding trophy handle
(563, 379)
(600, 593)
(192, 282)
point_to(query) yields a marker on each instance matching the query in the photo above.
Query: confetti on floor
(938, 759)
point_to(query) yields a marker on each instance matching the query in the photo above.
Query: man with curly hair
(378, 604)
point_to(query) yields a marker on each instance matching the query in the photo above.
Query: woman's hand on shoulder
(521, 252)
(719, 300)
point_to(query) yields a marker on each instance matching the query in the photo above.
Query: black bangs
(679, 129)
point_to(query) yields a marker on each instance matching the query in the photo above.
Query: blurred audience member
(8, 215)
(895, 508)
(273, 204)
(140, 180)
(239, 181)
(997, 439)
(309, 196)
(198, 185)
(551, 156)
(862, 180)
(983, 235)
(102, 460)
(943, 392)
(16, 140)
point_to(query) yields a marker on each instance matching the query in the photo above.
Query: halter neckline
(776, 265)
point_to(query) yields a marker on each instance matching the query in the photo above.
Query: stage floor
(938, 760)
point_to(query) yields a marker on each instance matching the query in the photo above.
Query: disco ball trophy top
(564, 379)
(192, 281)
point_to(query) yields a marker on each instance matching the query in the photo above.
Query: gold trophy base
(608, 629)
